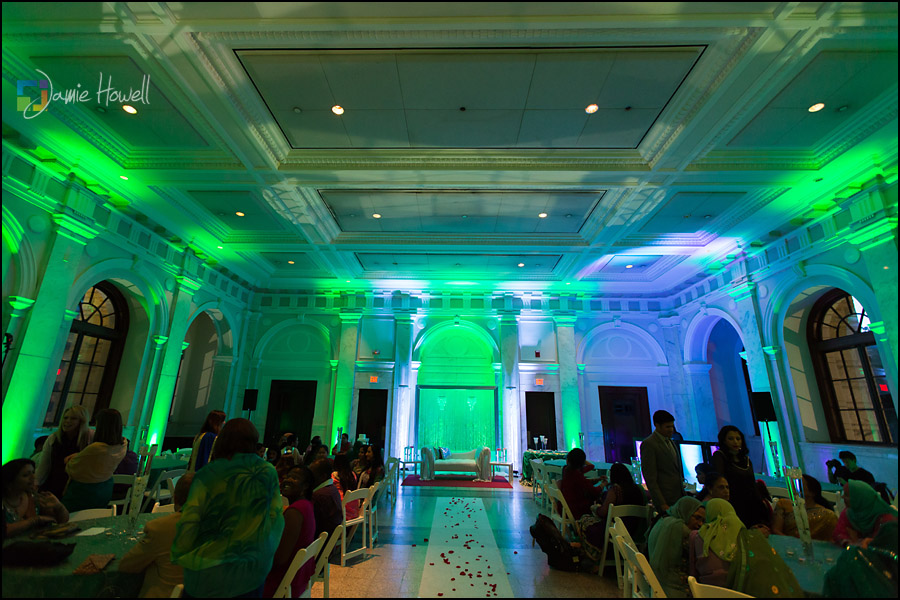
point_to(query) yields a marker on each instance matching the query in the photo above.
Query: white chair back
(303, 556)
(619, 529)
(779, 492)
(537, 466)
(624, 510)
(702, 590)
(177, 591)
(163, 508)
(642, 578)
(372, 512)
(564, 518)
(363, 497)
(159, 493)
(322, 572)
(92, 513)
(126, 501)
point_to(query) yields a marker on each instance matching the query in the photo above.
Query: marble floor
(401, 557)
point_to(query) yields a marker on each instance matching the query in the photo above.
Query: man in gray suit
(661, 463)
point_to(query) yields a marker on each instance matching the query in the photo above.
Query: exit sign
(373, 378)
(539, 381)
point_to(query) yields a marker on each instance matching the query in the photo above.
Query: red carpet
(448, 481)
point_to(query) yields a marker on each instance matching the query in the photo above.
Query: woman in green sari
(725, 553)
(668, 544)
(869, 572)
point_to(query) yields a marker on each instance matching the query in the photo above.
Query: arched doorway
(457, 405)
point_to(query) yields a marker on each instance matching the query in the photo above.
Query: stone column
(703, 406)
(508, 387)
(346, 372)
(146, 404)
(20, 306)
(402, 407)
(171, 359)
(788, 425)
(568, 379)
(687, 417)
(28, 384)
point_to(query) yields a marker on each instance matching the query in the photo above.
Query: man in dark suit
(661, 463)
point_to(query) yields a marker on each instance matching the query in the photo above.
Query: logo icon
(28, 104)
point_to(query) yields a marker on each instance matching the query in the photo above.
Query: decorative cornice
(188, 283)
(20, 303)
(74, 228)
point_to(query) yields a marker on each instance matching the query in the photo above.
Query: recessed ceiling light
(123, 177)
(543, 215)
(337, 109)
(843, 108)
(348, 281)
(129, 109)
(100, 110)
(376, 216)
(568, 283)
(290, 262)
(591, 109)
(707, 216)
(568, 216)
(629, 266)
(219, 247)
(521, 264)
(465, 216)
(239, 213)
(298, 110)
(816, 107)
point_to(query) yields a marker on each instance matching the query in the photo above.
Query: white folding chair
(92, 513)
(644, 583)
(372, 510)
(177, 591)
(159, 493)
(619, 529)
(625, 510)
(126, 501)
(163, 508)
(564, 519)
(702, 590)
(390, 477)
(322, 573)
(303, 556)
(362, 496)
(537, 487)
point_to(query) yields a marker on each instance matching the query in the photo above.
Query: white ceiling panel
(569, 80)
(376, 128)
(477, 81)
(315, 129)
(689, 212)
(645, 78)
(616, 128)
(360, 81)
(470, 129)
(552, 128)
(287, 80)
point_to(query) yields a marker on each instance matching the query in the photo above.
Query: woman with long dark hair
(819, 513)
(345, 481)
(205, 440)
(374, 468)
(623, 490)
(23, 510)
(732, 460)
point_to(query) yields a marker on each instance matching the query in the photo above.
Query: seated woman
(724, 540)
(299, 532)
(91, 470)
(578, 491)
(374, 471)
(869, 572)
(668, 544)
(716, 487)
(819, 513)
(315, 453)
(623, 490)
(345, 481)
(72, 437)
(24, 511)
(360, 463)
(866, 512)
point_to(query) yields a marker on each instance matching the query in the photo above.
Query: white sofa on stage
(476, 461)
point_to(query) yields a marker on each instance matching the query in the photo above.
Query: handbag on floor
(560, 554)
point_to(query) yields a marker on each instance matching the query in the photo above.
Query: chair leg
(327, 573)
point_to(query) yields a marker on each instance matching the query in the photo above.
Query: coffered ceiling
(465, 130)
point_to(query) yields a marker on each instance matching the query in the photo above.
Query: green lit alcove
(456, 398)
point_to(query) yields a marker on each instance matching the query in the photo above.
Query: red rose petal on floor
(515, 551)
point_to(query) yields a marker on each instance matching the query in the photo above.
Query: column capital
(508, 317)
(160, 340)
(334, 364)
(565, 319)
(742, 290)
(20, 303)
(188, 284)
(772, 352)
(697, 368)
(73, 228)
(71, 315)
(670, 321)
(184, 346)
(352, 317)
(404, 317)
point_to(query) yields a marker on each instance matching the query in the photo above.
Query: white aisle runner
(463, 560)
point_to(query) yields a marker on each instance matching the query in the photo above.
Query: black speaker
(250, 399)
(763, 407)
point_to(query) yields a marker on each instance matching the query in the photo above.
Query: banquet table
(527, 473)
(773, 482)
(810, 573)
(59, 581)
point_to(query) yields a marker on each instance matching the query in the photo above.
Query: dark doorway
(625, 415)
(371, 416)
(540, 418)
(291, 408)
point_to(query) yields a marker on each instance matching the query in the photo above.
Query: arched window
(852, 384)
(87, 372)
